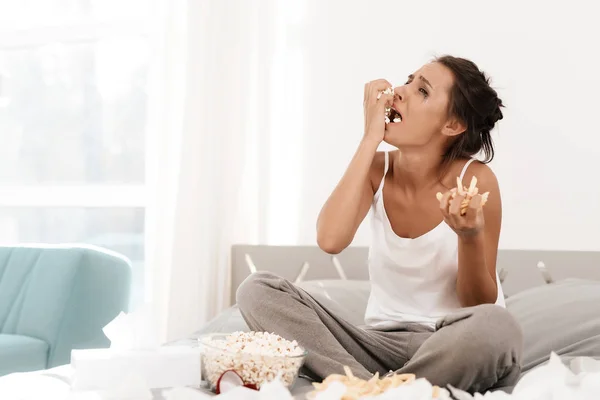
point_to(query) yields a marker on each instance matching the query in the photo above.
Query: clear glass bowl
(254, 369)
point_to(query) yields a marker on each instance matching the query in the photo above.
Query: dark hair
(476, 104)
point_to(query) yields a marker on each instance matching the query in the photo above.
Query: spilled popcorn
(256, 357)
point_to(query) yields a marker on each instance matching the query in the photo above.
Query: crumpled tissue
(135, 361)
(553, 381)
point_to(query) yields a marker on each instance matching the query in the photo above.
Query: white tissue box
(163, 367)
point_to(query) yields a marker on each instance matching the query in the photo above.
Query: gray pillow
(347, 298)
(229, 320)
(562, 317)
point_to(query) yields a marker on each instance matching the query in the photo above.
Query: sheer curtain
(219, 67)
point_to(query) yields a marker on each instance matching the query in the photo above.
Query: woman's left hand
(472, 222)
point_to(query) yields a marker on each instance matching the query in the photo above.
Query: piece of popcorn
(386, 91)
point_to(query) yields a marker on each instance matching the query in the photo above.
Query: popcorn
(386, 91)
(388, 110)
(257, 357)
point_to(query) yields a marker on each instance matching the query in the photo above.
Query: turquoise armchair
(57, 298)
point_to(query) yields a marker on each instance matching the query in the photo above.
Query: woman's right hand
(375, 109)
(352, 197)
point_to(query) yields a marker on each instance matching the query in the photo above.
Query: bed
(555, 295)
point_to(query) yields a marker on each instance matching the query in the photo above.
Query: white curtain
(220, 67)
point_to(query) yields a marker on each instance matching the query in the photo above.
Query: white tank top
(412, 280)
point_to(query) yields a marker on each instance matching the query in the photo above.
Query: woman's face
(423, 104)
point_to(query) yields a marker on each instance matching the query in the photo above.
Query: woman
(436, 307)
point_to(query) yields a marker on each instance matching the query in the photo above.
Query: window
(73, 88)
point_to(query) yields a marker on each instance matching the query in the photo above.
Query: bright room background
(169, 130)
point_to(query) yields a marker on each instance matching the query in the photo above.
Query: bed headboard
(518, 269)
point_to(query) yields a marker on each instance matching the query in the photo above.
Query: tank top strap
(462, 173)
(385, 170)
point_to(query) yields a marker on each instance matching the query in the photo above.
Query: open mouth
(392, 116)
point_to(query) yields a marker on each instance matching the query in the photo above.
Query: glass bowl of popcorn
(248, 359)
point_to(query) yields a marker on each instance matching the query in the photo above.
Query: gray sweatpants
(475, 349)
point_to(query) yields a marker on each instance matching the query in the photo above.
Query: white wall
(544, 61)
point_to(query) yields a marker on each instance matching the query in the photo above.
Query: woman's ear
(454, 127)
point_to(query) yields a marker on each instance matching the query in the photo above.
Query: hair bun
(497, 113)
(495, 116)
